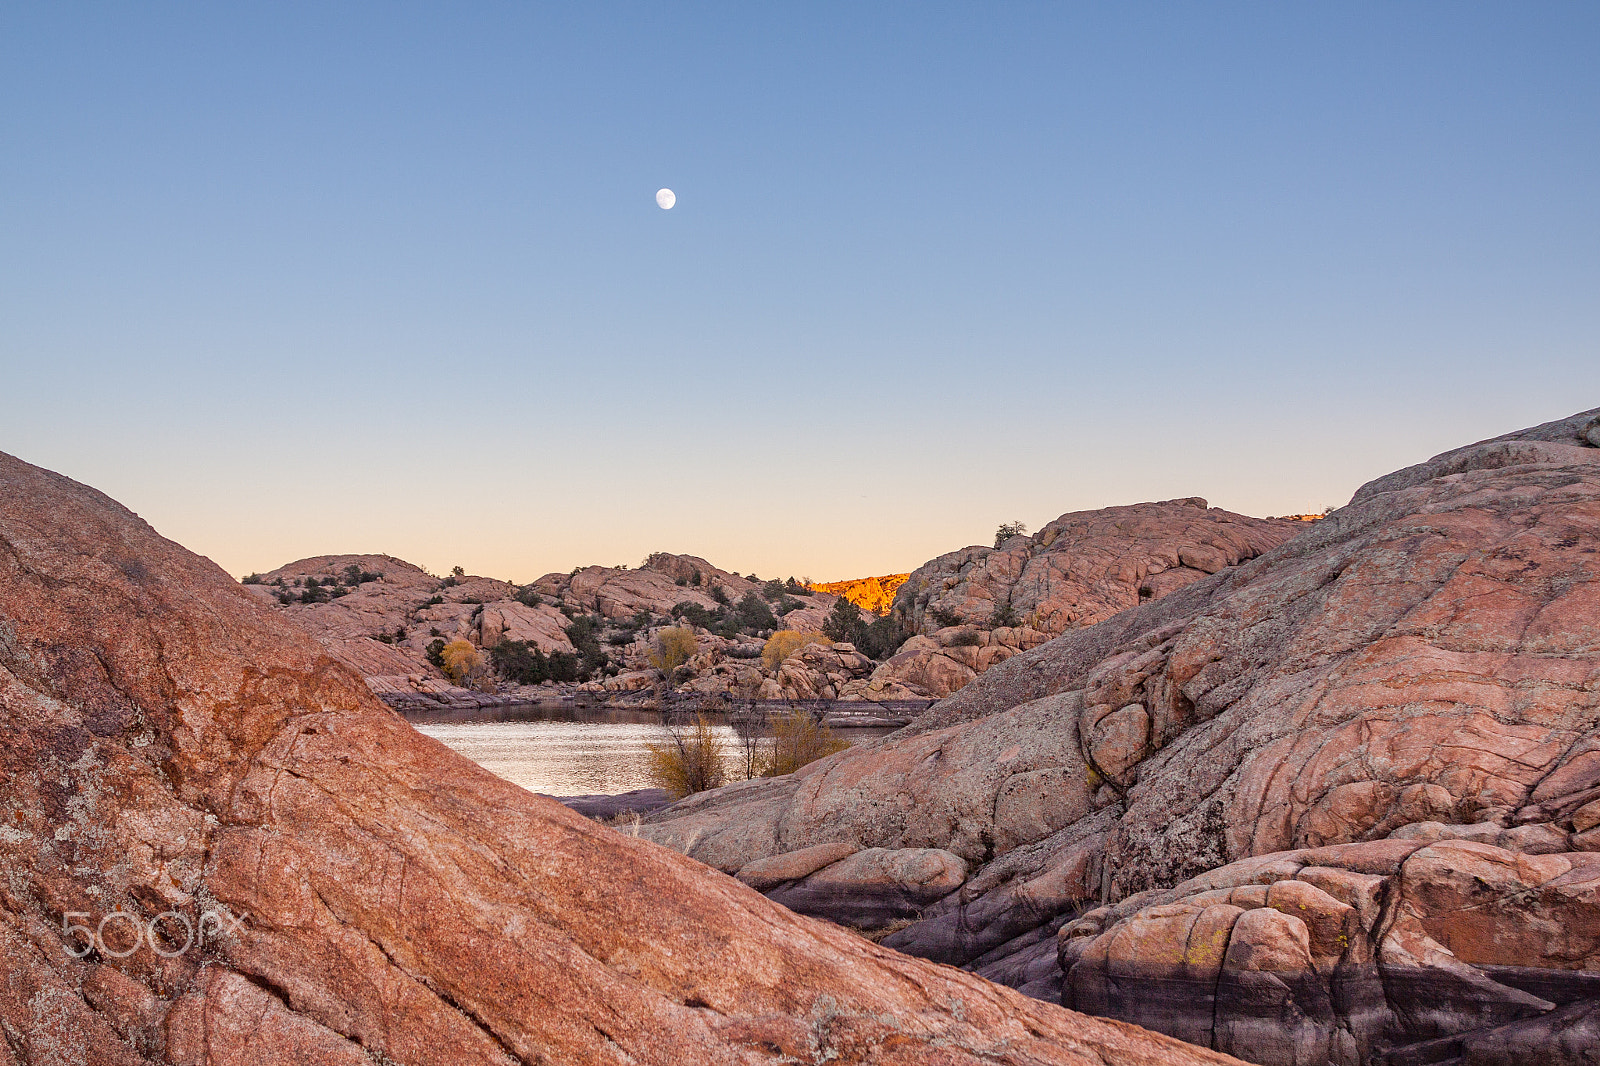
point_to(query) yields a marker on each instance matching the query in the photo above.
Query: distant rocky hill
(875, 594)
(963, 612)
(380, 615)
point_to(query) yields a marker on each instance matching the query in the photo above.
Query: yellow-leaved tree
(674, 647)
(463, 663)
(785, 642)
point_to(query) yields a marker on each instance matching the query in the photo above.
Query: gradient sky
(301, 279)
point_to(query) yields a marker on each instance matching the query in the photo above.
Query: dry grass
(690, 761)
(798, 738)
(877, 936)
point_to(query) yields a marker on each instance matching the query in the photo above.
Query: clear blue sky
(296, 279)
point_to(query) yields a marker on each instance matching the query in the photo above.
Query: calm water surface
(566, 751)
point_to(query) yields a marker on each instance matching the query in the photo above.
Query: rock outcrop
(1085, 566)
(944, 661)
(1417, 675)
(220, 847)
(1080, 569)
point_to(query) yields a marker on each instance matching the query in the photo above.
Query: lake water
(565, 751)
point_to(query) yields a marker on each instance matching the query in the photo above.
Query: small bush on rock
(1008, 530)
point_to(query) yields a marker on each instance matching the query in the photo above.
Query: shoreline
(836, 714)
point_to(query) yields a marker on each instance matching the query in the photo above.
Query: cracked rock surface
(1415, 677)
(266, 865)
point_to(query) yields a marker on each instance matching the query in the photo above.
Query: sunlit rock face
(1398, 708)
(875, 594)
(219, 847)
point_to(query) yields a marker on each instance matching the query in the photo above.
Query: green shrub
(584, 633)
(754, 615)
(527, 597)
(252, 579)
(844, 622)
(695, 614)
(945, 618)
(882, 638)
(435, 652)
(966, 639)
(720, 594)
(520, 662)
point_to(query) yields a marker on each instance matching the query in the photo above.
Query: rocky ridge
(1080, 569)
(1273, 792)
(221, 848)
(379, 614)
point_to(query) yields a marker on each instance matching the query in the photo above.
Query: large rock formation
(1423, 665)
(1085, 566)
(220, 847)
(1080, 569)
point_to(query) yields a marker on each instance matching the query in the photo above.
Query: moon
(665, 198)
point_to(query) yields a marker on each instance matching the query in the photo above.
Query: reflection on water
(566, 751)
